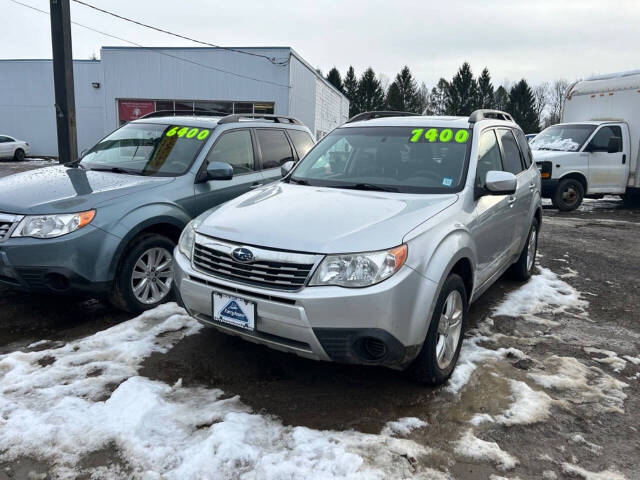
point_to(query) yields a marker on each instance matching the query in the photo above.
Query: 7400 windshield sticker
(445, 135)
(188, 132)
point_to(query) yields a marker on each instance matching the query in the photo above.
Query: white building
(129, 82)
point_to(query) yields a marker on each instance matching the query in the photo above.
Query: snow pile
(472, 447)
(529, 406)
(581, 384)
(60, 404)
(403, 426)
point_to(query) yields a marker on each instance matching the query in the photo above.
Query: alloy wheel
(449, 329)
(531, 248)
(152, 276)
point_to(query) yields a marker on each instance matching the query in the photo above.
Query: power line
(273, 60)
(159, 52)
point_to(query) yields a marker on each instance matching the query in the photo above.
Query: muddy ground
(596, 250)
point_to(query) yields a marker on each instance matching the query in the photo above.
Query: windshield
(147, 149)
(398, 159)
(563, 138)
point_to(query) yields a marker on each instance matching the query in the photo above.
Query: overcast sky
(537, 40)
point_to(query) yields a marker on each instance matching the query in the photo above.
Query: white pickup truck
(595, 150)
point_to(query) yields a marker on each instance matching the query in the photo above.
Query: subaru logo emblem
(242, 255)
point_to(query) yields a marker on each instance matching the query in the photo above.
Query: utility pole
(63, 80)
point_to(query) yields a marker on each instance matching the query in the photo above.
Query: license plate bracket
(233, 311)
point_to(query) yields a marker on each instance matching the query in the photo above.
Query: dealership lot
(546, 387)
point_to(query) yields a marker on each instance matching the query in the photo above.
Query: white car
(13, 148)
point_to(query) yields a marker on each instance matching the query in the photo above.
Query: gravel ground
(559, 401)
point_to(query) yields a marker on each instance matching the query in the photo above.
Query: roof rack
(236, 117)
(172, 113)
(485, 113)
(379, 114)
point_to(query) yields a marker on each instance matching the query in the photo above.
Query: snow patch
(87, 396)
(529, 406)
(581, 384)
(403, 426)
(576, 471)
(610, 358)
(472, 447)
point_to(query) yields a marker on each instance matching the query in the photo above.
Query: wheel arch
(580, 177)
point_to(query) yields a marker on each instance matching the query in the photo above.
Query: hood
(322, 220)
(552, 156)
(62, 189)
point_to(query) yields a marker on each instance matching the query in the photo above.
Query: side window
(274, 146)
(302, 141)
(489, 157)
(4, 139)
(524, 148)
(512, 159)
(600, 141)
(236, 149)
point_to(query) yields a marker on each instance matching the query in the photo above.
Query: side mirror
(286, 167)
(219, 171)
(501, 183)
(614, 145)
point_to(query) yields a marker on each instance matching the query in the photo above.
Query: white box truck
(596, 149)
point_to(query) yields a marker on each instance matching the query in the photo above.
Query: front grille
(7, 224)
(263, 273)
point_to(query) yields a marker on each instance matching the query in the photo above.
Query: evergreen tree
(462, 93)
(370, 94)
(335, 79)
(485, 90)
(403, 93)
(438, 98)
(501, 99)
(522, 106)
(350, 86)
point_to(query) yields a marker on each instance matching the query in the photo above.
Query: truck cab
(594, 152)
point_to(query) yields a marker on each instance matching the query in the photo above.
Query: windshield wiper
(299, 181)
(116, 170)
(366, 186)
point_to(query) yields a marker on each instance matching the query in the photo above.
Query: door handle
(511, 200)
(532, 186)
(624, 158)
(256, 185)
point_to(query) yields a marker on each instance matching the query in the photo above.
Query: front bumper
(73, 264)
(323, 323)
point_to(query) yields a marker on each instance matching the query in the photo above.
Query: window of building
(129, 110)
(274, 146)
(512, 159)
(302, 141)
(236, 149)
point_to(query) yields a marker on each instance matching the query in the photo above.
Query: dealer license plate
(234, 311)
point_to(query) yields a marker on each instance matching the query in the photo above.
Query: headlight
(359, 269)
(51, 226)
(188, 238)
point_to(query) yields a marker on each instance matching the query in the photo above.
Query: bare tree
(557, 97)
(541, 98)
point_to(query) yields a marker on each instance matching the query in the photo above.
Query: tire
(146, 259)
(427, 368)
(631, 199)
(18, 155)
(523, 268)
(569, 195)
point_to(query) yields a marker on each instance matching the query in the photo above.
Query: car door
(608, 172)
(237, 148)
(275, 150)
(493, 230)
(513, 162)
(4, 146)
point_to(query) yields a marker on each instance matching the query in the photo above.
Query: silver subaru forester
(371, 248)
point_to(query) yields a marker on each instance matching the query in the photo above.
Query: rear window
(274, 146)
(511, 160)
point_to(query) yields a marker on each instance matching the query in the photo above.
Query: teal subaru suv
(106, 225)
